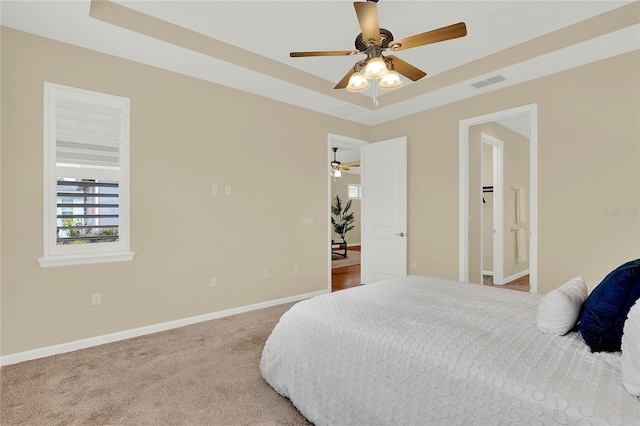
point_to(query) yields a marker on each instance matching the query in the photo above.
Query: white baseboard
(490, 273)
(150, 329)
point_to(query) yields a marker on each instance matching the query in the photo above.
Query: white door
(384, 210)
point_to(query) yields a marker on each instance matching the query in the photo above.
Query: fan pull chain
(375, 94)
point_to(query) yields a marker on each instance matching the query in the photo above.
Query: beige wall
(588, 149)
(339, 187)
(186, 134)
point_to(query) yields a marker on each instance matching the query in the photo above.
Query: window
(86, 177)
(354, 191)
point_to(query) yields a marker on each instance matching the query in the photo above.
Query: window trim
(54, 255)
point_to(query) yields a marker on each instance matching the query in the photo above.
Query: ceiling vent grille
(491, 80)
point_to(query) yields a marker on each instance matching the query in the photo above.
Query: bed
(419, 350)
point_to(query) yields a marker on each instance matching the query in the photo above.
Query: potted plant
(341, 220)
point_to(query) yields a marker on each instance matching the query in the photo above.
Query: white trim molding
(136, 332)
(85, 259)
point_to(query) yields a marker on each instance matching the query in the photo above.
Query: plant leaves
(343, 221)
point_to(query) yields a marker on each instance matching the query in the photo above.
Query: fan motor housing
(385, 38)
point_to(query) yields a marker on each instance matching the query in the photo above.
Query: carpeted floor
(353, 258)
(203, 374)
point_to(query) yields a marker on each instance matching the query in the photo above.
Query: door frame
(498, 208)
(331, 139)
(463, 193)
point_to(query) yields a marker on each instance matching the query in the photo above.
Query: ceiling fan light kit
(373, 41)
(375, 68)
(391, 80)
(335, 165)
(357, 82)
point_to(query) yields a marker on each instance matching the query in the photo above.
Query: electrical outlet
(296, 270)
(266, 274)
(96, 299)
(213, 282)
(214, 189)
(413, 265)
(227, 190)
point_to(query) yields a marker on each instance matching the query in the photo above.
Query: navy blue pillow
(603, 313)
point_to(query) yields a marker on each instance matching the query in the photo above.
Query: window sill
(52, 261)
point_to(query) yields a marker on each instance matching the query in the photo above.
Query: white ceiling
(261, 32)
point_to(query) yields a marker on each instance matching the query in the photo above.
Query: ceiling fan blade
(324, 53)
(352, 164)
(368, 19)
(406, 69)
(434, 36)
(345, 80)
(345, 168)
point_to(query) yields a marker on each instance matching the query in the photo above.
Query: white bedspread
(422, 351)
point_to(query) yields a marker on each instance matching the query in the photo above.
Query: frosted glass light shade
(375, 68)
(357, 83)
(391, 80)
(337, 173)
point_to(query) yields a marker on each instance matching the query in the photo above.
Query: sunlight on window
(354, 191)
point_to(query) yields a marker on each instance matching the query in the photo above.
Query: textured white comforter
(421, 351)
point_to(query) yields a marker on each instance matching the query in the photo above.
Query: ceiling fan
(337, 167)
(373, 41)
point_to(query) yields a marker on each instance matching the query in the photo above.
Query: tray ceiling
(246, 44)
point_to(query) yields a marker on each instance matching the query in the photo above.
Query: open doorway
(344, 182)
(513, 231)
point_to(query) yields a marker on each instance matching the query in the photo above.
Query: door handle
(401, 234)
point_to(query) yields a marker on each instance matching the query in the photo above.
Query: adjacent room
(204, 220)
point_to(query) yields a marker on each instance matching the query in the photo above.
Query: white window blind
(88, 135)
(86, 184)
(354, 191)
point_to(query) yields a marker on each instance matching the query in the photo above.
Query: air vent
(481, 83)
(491, 80)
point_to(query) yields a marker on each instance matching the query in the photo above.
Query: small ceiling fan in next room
(374, 41)
(337, 167)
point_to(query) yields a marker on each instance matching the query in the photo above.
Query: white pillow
(559, 309)
(631, 351)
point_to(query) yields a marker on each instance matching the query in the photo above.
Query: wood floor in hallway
(349, 276)
(520, 284)
(346, 277)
